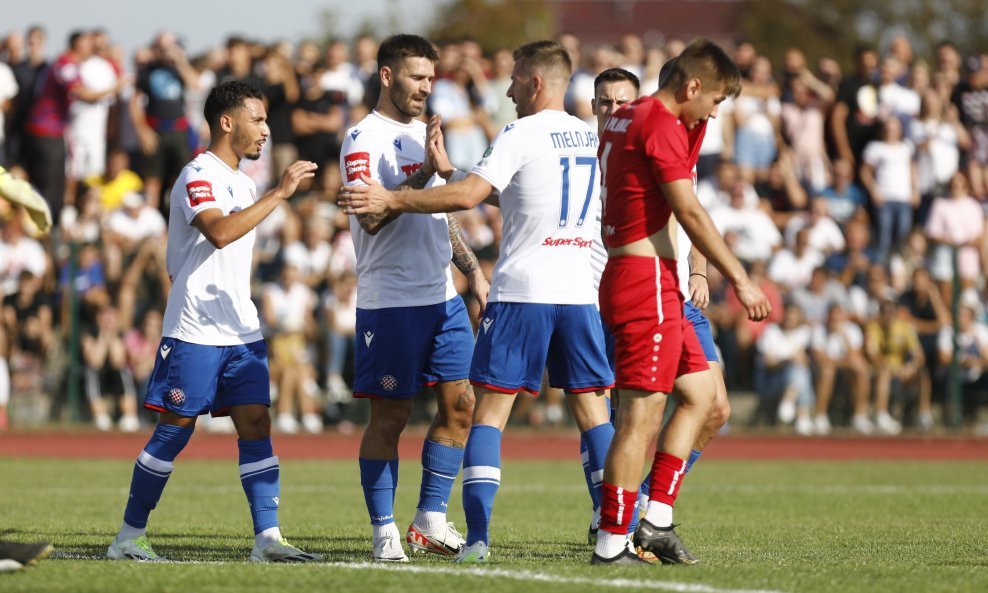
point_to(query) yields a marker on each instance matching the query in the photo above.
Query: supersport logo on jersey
(199, 192)
(357, 163)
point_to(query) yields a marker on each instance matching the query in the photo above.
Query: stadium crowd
(855, 198)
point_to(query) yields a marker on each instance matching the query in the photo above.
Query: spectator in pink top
(957, 221)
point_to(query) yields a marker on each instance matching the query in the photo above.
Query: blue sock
(260, 476)
(151, 472)
(585, 458)
(643, 490)
(481, 479)
(598, 441)
(694, 456)
(378, 478)
(440, 464)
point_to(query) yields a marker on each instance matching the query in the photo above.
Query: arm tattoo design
(463, 257)
(416, 181)
(377, 221)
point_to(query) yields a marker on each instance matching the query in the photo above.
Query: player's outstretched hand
(435, 146)
(754, 301)
(371, 198)
(294, 175)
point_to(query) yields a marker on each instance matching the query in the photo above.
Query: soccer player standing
(212, 357)
(647, 152)
(543, 171)
(413, 329)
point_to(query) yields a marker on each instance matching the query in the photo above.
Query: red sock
(617, 507)
(668, 472)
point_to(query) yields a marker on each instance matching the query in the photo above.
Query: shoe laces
(451, 529)
(143, 543)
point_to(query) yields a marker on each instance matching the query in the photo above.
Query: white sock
(430, 522)
(4, 382)
(659, 514)
(387, 529)
(128, 532)
(610, 544)
(271, 535)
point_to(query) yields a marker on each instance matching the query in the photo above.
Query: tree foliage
(835, 27)
(494, 24)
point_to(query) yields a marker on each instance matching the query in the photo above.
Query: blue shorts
(400, 350)
(701, 325)
(608, 343)
(517, 341)
(192, 379)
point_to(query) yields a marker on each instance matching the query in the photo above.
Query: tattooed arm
(466, 262)
(373, 223)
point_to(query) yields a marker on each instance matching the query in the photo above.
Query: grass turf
(757, 526)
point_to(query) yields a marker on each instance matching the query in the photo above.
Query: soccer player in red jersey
(647, 153)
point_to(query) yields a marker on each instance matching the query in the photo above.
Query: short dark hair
(226, 96)
(396, 48)
(75, 36)
(616, 75)
(705, 60)
(546, 54)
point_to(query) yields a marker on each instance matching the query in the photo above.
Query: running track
(517, 444)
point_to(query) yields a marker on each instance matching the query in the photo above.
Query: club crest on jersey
(176, 397)
(388, 382)
(397, 143)
(356, 164)
(199, 192)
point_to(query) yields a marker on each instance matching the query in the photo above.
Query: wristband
(698, 274)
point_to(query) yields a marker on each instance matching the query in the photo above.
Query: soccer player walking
(542, 170)
(413, 329)
(212, 357)
(648, 151)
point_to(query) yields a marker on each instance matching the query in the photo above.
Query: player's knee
(388, 426)
(719, 414)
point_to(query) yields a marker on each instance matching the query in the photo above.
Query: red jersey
(643, 146)
(49, 114)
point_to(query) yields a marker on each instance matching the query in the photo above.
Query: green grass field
(757, 526)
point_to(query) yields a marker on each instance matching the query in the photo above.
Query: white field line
(834, 489)
(514, 575)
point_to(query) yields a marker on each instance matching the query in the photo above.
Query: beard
(403, 103)
(241, 138)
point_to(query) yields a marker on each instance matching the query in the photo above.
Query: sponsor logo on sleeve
(357, 164)
(199, 192)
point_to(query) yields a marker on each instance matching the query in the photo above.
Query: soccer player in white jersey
(413, 329)
(212, 357)
(543, 171)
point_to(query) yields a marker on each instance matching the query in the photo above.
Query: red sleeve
(667, 148)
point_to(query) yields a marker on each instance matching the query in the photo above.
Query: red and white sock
(667, 476)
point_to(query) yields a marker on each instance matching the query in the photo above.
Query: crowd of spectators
(854, 198)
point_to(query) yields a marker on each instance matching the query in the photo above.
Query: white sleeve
(197, 194)
(504, 157)
(359, 156)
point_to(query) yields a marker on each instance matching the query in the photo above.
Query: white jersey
(545, 167)
(209, 302)
(406, 264)
(88, 120)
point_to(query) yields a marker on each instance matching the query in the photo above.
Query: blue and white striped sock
(585, 458)
(598, 441)
(481, 479)
(151, 471)
(260, 476)
(440, 464)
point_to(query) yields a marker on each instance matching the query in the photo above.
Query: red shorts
(641, 303)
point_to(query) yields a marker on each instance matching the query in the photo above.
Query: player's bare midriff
(661, 243)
